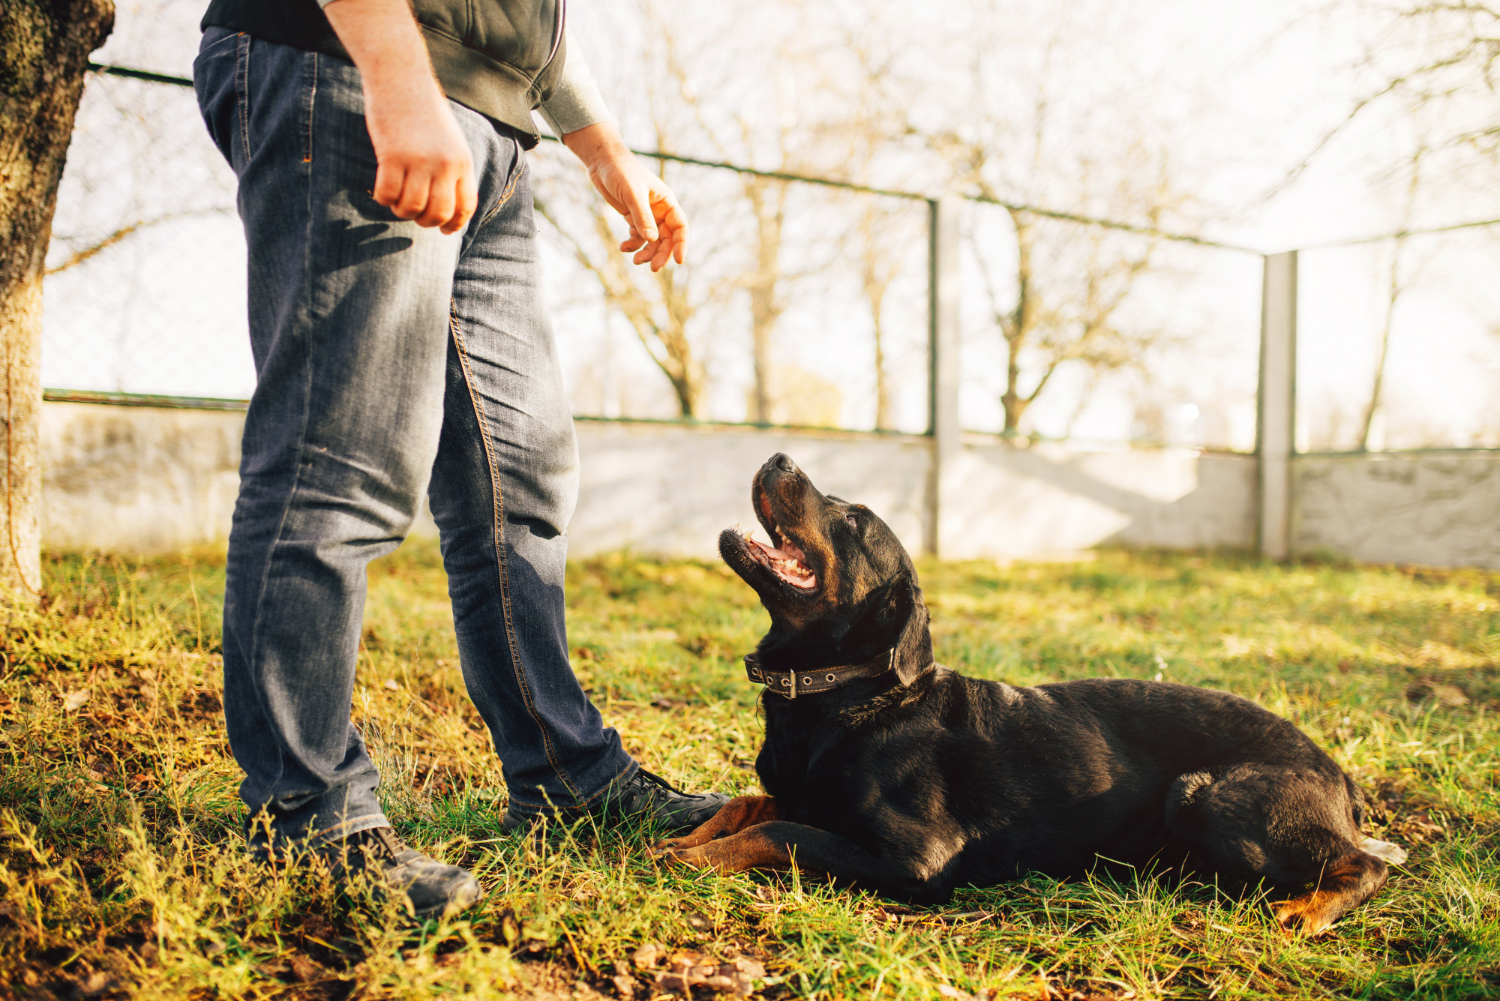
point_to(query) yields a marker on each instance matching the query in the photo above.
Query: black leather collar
(790, 684)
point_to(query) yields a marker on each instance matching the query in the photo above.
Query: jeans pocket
(213, 82)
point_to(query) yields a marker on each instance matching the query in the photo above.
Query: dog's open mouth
(783, 557)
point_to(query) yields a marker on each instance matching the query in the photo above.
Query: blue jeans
(390, 359)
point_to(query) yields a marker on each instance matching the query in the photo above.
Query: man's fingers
(452, 198)
(468, 203)
(675, 225)
(415, 192)
(389, 178)
(641, 219)
(442, 202)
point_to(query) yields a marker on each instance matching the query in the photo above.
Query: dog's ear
(913, 656)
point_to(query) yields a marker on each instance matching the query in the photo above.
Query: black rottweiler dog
(890, 772)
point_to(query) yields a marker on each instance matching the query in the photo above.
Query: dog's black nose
(783, 462)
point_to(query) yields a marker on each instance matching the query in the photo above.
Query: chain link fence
(806, 303)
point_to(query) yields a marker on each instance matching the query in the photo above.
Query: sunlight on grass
(123, 871)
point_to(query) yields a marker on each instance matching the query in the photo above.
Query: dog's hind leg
(1293, 827)
(1343, 885)
(732, 818)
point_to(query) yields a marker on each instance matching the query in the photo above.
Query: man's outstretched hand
(658, 226)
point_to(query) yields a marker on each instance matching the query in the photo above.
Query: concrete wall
(1435, 508)
(1024, 502)
(141, 479)
(670, 489)
(137, 479)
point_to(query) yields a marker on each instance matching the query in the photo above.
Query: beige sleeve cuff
(575, 102)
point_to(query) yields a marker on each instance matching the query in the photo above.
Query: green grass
(123, 874)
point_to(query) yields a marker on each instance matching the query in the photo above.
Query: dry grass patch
(123, 874)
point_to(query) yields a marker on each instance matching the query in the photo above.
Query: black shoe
(432, 888)
(642, 793)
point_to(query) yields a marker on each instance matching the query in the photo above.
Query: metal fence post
(1276, 403)
(943, 363)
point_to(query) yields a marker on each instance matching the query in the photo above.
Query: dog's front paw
(663, 849)
(679, 854)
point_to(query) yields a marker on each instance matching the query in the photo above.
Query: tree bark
(44, 50)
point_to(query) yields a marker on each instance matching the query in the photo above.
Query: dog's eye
(853, 521)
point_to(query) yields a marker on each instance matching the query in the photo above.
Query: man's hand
(425, 172)
(658, 226)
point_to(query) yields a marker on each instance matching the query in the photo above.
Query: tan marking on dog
(748, 849)
(732, 818)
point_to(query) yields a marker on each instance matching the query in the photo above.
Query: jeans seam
(502, 571)
(312, 95)
(510, 184)
(242, 91)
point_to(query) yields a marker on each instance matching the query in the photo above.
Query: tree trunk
(44, 50)
(1018, 328)
(768, 199)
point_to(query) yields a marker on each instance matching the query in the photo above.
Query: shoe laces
(378, 843)
(657, 780)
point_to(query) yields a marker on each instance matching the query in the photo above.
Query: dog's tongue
(786, 562)
(787, 552)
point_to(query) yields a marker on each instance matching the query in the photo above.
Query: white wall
(141, 479)
(1050, 499)
(137, 479)
(1435, 508)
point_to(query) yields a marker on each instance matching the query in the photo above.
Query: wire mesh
(145, 291)
(804, 304)
(1098, 335)
(801, 304)
(1423, 314)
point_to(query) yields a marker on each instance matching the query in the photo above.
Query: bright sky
(1244, 88)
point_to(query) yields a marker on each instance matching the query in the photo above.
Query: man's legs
(348, 325)
(362, 338)
(503, 489)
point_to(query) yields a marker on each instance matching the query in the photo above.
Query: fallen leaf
(646, 956)
(686, 970)
(304, 970)
(96, 984)
(1441, 692)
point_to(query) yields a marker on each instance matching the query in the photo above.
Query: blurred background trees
(1264, 124)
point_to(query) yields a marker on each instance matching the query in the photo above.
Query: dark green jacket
(499, 57)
